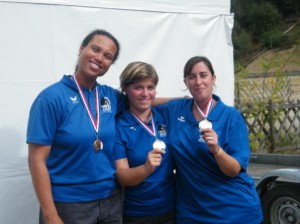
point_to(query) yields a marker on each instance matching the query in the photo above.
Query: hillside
(287, 58)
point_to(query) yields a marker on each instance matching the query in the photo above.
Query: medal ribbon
(148, 129)
(208, 108)
(95, 123)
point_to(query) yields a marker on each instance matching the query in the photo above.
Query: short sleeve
(42, 122)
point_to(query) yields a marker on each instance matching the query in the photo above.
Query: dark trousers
(168, 218)
(107, 210)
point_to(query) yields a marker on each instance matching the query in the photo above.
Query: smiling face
(95, 59)
(141, 95)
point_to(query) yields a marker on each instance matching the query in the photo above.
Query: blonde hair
(137, 71)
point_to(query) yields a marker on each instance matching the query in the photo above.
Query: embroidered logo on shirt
(105, 105)
(200, 139)
(162, 130)
(74, 99)
(181, 118)
(133, 128)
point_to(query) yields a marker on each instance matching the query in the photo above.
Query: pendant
(205, 124)
(98, 145)
(158, 144)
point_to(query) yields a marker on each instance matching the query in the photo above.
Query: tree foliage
(260, 24)
(263, 17)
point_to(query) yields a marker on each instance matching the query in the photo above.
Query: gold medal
(98, 145)
(158, 144)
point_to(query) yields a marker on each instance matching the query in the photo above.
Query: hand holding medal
(158, 144)
(205, 124)
(155, 156)
(205, 127)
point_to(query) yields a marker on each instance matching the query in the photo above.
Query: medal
(205, 124)
(98, 145)
(158, 144)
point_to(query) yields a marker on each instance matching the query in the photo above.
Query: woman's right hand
(54, 220)
(154, 159)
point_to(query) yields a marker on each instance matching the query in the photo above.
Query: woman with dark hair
(210, 146)
(70, 136)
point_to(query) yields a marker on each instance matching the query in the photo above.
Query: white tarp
(40, 41)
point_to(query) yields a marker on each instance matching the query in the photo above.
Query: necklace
(157, 144)
(205, 123)
(98, 144)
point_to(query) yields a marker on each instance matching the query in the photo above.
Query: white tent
(40, 42)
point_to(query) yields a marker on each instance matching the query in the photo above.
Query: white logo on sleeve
(74, 99)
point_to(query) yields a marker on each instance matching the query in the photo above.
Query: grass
(286, 58)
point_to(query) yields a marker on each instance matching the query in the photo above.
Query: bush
(272, 39)
(263, 17)
(242, 42)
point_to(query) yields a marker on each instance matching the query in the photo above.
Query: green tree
(272, 39)
(263, 17)
(242, 41)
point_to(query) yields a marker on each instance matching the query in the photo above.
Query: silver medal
(158, 144)
(205, 124)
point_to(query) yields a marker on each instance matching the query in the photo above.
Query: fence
(270, 106)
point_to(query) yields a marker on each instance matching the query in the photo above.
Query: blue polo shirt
(156, 194)
(205, 194)
(59, 119)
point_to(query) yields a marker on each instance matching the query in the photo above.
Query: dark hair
(91, 35)
(194, 60)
